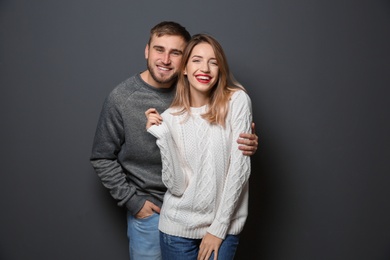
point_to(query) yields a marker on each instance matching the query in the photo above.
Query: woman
(205, 206)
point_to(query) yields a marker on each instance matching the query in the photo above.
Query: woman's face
(202, 70)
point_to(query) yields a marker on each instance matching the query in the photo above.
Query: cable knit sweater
(205, 173)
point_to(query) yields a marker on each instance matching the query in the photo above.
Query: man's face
(163, 56)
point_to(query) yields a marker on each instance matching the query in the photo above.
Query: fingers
(252, 136)
(150, 110)
(248, 143)
(147, 210)
(248, 153)
(153, 207)
(209, 245)
(144, 212)
(204, 254)
(153, 117)
(156, 209)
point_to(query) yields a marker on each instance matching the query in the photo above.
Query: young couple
(194, 156)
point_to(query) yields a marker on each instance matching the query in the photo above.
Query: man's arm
(248, 142)
(107, 143)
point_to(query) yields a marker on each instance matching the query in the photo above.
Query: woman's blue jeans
(180, 248)
(143, 234)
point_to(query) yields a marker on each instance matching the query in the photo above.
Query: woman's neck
(199, 100)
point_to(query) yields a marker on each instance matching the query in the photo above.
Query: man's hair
(169, 28)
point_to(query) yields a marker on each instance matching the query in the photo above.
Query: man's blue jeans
(143, 234)
(180, 248)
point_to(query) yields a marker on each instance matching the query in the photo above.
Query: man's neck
(149, 80)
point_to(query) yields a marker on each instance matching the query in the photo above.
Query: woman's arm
(239, 166)
(172, 175)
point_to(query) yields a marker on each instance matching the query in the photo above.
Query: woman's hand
(153, 117)
(209, 244)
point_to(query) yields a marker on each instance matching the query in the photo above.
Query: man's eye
(176, 53)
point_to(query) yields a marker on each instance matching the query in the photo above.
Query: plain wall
(317, 73)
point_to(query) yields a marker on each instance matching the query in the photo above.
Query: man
(125, 156)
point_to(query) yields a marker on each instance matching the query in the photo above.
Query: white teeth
(162, 68)
(203, 77)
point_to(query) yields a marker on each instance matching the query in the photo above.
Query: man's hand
(147, 210)
(248, 142)
(209, 244)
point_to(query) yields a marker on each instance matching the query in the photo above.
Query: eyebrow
(199, 56)
(162, 47)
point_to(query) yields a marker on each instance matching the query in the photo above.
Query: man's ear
(147, 51)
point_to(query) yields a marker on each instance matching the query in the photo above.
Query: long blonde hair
(221, 92)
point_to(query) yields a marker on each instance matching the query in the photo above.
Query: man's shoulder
(126, 88)
(128, 85)
(120, 93)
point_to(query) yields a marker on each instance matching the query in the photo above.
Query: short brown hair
(169, 28)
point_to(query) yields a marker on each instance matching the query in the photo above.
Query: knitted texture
(124, 155)
(205, 173)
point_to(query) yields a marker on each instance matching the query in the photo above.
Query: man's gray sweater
(124, 155)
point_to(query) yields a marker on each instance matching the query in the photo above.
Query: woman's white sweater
(205, 173)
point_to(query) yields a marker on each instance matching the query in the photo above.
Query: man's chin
(165, 80)
(162, 78)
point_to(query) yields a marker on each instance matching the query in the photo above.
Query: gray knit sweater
(124, 155)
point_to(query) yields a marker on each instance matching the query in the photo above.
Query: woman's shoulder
(170, 113)
(239, 95)
(171, 110)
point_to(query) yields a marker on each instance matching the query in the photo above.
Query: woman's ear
(185, 72)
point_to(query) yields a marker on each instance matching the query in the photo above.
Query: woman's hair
(220, 93)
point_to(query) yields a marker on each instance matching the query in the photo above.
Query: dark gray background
(318, 75)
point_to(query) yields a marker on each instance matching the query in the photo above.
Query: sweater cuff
(218, 229)
(135, 204)
(158, 130)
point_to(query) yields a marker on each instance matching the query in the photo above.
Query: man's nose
(166, 58)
